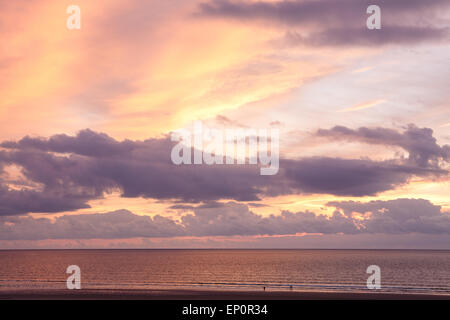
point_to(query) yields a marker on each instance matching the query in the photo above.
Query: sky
(86, 118)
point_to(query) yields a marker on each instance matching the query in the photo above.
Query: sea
(401, 271)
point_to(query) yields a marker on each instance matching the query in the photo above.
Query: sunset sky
(86, 117)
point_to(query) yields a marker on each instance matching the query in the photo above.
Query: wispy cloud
(365, 105)
(361, 70)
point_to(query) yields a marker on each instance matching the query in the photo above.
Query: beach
(91, 294)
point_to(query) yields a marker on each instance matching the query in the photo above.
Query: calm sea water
(305, 270)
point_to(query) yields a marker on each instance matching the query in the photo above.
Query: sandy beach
(206, 295)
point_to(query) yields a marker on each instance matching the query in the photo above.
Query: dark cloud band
(339, 23)
(401, 216)
(67, 172)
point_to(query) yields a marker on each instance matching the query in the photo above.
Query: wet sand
(206, 295)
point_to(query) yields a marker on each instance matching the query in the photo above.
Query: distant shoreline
(91, 294)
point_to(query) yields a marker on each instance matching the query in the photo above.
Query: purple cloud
(419, 142)
(337, 23)
(67, 172)
(400, 216)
